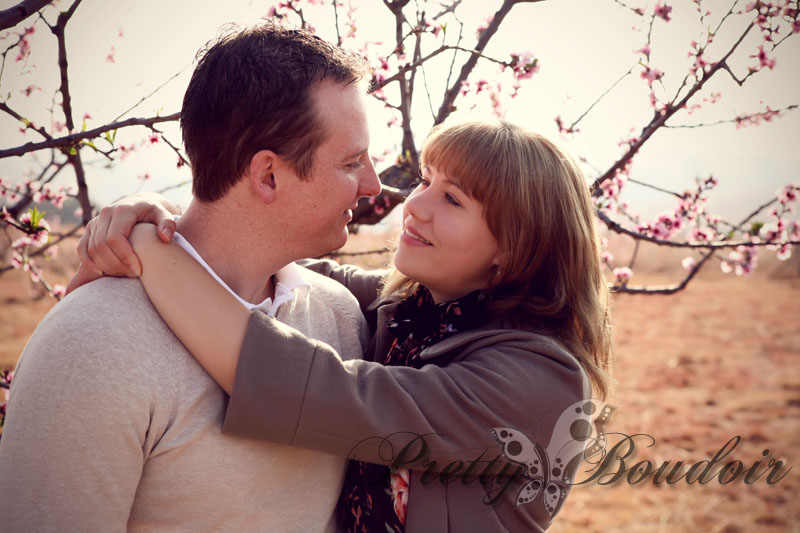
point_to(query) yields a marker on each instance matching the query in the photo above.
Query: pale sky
(582, 46)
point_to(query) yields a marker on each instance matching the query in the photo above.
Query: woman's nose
(418, 204)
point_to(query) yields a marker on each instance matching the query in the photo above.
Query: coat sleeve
(364, 284)
(300, 392)
(71, 453)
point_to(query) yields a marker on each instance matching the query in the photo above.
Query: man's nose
(369, 183)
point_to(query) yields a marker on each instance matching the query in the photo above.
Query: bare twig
(777, 113)
(336, 21)
(150, 94)
(630, 70)
(364, 252)
(28, 124)
(657, 188)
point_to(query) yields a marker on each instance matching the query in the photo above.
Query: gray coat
(436, 420)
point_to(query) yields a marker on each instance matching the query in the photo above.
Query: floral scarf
(418, 323)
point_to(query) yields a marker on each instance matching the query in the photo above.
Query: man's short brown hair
(251, 91)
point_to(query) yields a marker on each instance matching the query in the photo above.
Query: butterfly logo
(577, 436)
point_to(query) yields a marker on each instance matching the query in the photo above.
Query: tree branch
(713, 245)
(662, 116)
(452, 93)
(14, 15)
(74, 139)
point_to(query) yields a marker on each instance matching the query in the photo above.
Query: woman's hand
(104, 247)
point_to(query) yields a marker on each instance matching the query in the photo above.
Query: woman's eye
(451, 199)
(355, 166)
(420, 181)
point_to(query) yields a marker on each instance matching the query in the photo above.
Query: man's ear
(261, 175)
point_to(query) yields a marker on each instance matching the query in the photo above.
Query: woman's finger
(118, 234)
(99, 249)
(83, 276)
(83, 248)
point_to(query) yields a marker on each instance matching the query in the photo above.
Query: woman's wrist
(143, 238)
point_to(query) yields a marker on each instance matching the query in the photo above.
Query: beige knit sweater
(112, 425)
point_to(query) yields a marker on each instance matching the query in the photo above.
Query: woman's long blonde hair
(537, 205)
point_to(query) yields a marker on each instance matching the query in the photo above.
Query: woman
(484, 335)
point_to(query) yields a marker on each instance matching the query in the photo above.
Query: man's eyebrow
(356, 154)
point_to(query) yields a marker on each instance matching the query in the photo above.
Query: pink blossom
(784, 252)
(563, 129)
(663, 11)
(651, 74)
(623, 274)
(763, 59)
(153, 139)
(524, 65)
(16, 260)
(87, 116)
(644, 50)
(688, 263)
(110, 56)
(24, 44)
(788, 194)
(27, 91)
(700, 63)
(482, 28)
(59, 291)
(703, 235)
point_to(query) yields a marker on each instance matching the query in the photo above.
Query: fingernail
(167, 232)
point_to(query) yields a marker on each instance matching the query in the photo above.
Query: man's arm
(71, 453)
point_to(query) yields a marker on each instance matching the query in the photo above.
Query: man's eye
(355, 166)
(421, 181)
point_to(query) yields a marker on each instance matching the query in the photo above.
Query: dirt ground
(718, 360)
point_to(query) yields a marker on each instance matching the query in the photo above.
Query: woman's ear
(497, 267)
(261, 175)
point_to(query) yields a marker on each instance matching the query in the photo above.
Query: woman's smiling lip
(414, 235)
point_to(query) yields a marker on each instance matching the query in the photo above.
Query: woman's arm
(301, 393)
(209, 321)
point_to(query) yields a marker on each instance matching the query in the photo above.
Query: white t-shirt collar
(287, 280)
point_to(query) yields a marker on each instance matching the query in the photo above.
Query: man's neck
(245, 261)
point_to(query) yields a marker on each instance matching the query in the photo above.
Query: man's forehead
(343, 113)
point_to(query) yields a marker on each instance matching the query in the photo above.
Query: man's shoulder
(107, 300)
(101, 338)
(110, 314)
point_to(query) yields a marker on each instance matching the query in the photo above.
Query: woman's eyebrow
(455, 183)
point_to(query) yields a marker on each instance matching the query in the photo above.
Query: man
(111, 423)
